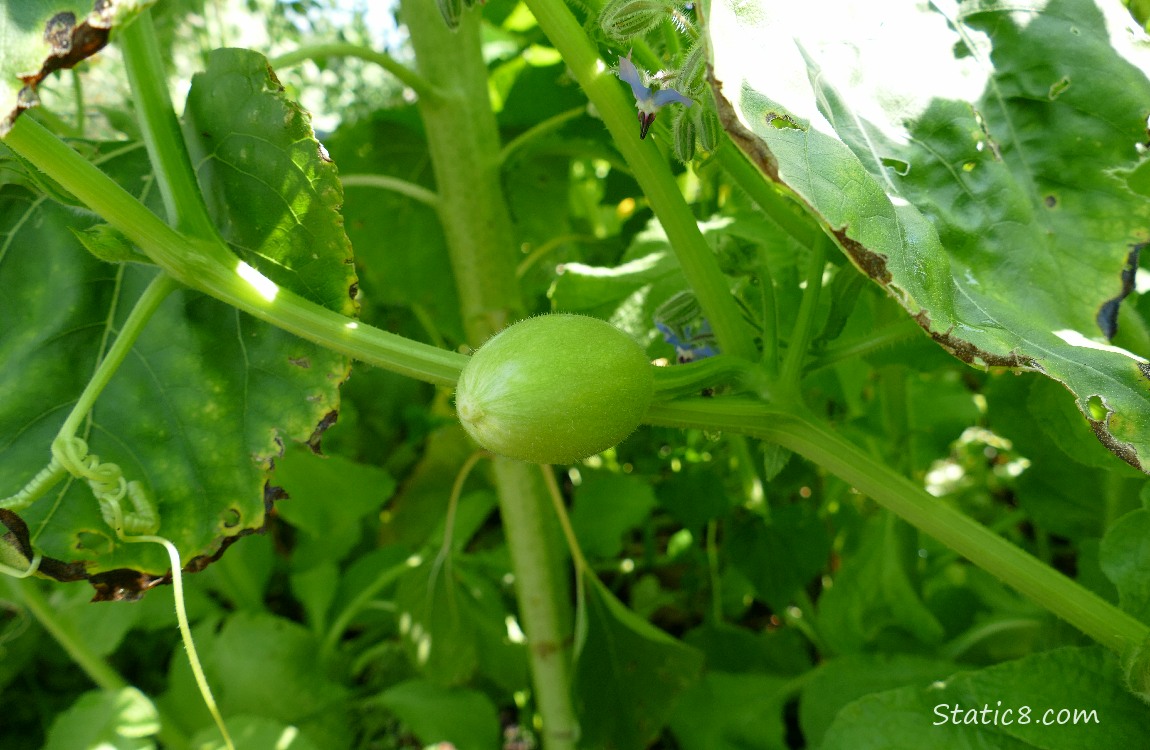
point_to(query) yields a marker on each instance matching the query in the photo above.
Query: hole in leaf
(782, 121)
(900, 167)
(100, 544)
(1050, 201)
(231, 518)
(1097, 408)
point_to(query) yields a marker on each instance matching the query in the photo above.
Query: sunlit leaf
(208, 397)
(972, 159)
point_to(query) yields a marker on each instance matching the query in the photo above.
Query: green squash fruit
(554, 388)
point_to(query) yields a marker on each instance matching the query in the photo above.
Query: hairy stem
(210, 267)
(530, 531)
(464, 143)
(612, 101)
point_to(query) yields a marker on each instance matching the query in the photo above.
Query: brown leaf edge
(71, 43)
(874, 266)
(126, 584)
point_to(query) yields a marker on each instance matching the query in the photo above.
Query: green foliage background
(725, 592)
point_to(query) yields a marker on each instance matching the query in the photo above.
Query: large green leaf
(875, 595)
(39, 37)
(838, 682)
(628, 674)
(980, 161)
(1125, 558)
(271, 187)
(1028, 703)
(453, 717)
(208, 397)
(121, 719)
(260, 665)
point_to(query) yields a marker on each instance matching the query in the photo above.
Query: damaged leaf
(209, 396)
(39, 37)
(976, 161)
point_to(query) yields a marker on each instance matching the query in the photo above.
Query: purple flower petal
(630, 74)
(663, 97)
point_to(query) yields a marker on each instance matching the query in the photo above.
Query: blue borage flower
(648, 100)
(689, 344)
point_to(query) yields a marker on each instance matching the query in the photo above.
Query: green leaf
(271, 188)
(692, 499)
(874, 595)
(1062, 496)
(255, 733)
(39, 37)
(464, 718)
(606, 507)
(728, 648)
(732, 712)
(985, 196)
(113, 719)
(208, 397)
(1125, 558)
(1087, 680)
(629, 675)
(1060, 420)
(453, 621)
(329, 497)
(781, 556)
(837, 682)
(266, 666)
(99, 629)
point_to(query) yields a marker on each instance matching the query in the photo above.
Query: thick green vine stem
(210, 267)
(692, 378)
(464, 142)
(802, 433)
(613, 103)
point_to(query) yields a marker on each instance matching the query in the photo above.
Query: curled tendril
(33, 566)
(46, 479)
(109, 486)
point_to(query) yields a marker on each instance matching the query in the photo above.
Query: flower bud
(623, 20)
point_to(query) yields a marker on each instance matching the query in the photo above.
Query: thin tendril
(443, 559)
(181, 617)
(33, 566)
